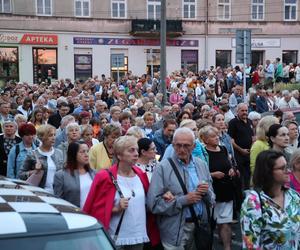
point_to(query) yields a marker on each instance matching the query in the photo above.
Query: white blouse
(133, 228)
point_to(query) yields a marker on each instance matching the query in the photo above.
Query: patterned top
(8, 144)
(268, 226)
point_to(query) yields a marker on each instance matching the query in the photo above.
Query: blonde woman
(45, 157)
(261, 142)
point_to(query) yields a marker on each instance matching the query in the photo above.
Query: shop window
(290, 56)
(257, 57)
(44, 64)
(119, 66)
(83, 67)
(9, 64)
(223, 58)
(189, 60)
(153, 61)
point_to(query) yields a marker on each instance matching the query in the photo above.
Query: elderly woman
(270, 213)
(45, 157)
(126, 206)
(279, 139)
(293, 136)
(73, 135)
(19, 152)
(87, 135)
(101, 155)
(73, 183)
(254, 117)
(7, 140)
(261, 142)
(221, 171)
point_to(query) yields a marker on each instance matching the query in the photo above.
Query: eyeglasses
(283, 168)
(185, 146)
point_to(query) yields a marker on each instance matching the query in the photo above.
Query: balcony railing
(145, 27)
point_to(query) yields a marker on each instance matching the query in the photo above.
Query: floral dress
(267, 226)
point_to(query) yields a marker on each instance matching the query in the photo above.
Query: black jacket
(55, 120)
(3, 155)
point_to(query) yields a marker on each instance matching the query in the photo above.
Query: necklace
(129, 186)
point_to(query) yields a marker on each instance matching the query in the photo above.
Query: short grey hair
(71, 126)
(285, 92)
(186, 131)
(253, 115)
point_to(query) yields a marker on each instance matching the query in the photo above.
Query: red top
(294, 184)
(100, 200)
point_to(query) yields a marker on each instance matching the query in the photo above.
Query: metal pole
(151, 56)
(206, 38)
(245, 62)
(163, 45)
(118, 77)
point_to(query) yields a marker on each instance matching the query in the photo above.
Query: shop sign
(10, 38)
(261, 43)
(39, 39)
(36, 39)
(132, 42)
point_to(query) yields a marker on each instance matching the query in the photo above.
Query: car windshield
(87, 240)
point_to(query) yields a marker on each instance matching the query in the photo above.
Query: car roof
(27, 209)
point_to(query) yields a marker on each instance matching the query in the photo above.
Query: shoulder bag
(115, 182)
(202, 232)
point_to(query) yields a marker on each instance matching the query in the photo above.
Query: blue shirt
(199, 151)
(193, 182)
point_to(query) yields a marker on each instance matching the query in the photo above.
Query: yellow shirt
(98, 157)
(256, 148)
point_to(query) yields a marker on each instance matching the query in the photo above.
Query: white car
(33, 219)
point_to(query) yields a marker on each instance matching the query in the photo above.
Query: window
(189, 9)
(9, 64)
(119, 65)
(257, 57)
(189, 60)
(153, 61)
(5, 6)
(153, 9)
(290, 10)
(44, 7)
(257, 9)
(118, 8)
(83, 66)
(290, 56)
(224, 10)
(223, 58)
(44, 64)
(82, 8)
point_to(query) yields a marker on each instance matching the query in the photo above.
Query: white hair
(253, 115)
(185, 131)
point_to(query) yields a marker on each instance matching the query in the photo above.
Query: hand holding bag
(202, 232)
(37, 175)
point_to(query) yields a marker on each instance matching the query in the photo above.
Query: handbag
(115, 182)
(202, 233)
(35, 178)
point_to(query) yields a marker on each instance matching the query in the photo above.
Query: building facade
(77, 39)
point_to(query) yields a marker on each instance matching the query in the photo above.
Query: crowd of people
(164, 172)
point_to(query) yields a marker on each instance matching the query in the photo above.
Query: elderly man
(240, 130)
(167, 199)
(286, 101)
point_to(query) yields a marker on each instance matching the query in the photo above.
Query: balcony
(151, 28)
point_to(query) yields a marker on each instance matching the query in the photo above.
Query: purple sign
(132, 42)
(190, 56)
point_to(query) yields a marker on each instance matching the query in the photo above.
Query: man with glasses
(167, 200)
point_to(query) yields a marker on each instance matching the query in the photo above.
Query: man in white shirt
(210, 80)
(285, 101)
